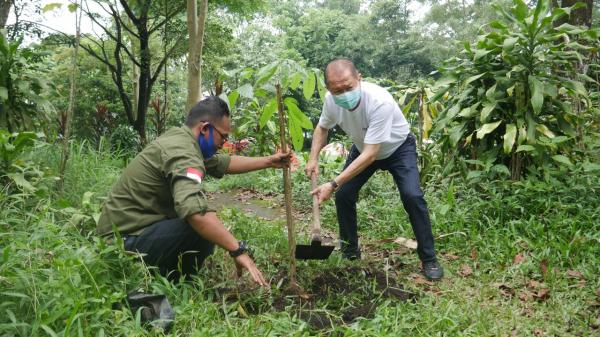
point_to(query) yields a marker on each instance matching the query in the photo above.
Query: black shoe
(351, 255)
(432, 270)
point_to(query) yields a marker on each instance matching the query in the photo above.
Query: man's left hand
(280, 160)
(323, 192)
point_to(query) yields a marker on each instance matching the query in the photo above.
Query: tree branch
(167, 18)
(164, 60)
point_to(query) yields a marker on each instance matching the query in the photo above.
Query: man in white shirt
(382, 140)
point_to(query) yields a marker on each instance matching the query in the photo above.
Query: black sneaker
(432, 270)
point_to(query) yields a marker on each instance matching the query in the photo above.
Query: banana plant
(512, 90)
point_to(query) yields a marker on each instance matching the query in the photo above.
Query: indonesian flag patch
(194, 174)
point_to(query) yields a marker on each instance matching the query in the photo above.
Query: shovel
(314, 251)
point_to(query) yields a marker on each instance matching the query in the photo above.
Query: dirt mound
(350, 293)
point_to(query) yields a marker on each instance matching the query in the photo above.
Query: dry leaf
(574, 274)
(451, 257)
(474, 254)
(544, 266)
(598, 292)
(596, 324)
(580, 284)
(525, 296)
(519, 258)
(533, 284)
(420, 279)
(538, 332)
(542, 294)
(505, 290)
(465, 270)
(408, 243)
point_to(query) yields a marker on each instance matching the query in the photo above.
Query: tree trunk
(69, 114)
(195, 23)
(4, 11)
(578, 17)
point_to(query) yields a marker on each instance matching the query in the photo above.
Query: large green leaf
(268, 111)
(246, 90)
(473, 78)
(487, 128)
(296, 133)
(486, 110)
(537, 97)
(509, 43)
(265, 73)
(509, 137)
(308, 87)
(562, 159)
(297, 114)
(3, 93)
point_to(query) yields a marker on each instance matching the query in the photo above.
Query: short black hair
(345, 63)
(211, 109)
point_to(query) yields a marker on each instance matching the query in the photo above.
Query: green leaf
(268, 111)
(295, 80)
(509, 43)
(588, 167)
(246, 90)
(485, 112)
(265, 73)
(3, 93)
(526, 148)
(297, 114)
(509, 137)
(72, 7)
(321, 85)
(232, 98)
(520, 9)
(562, 159)
(545, 131)
(296, 134)
(537, 97)
(479, 53)
(473, 78)
(225, 99)
(51, 6)
(20, 181)
(309, 85)
(48, 330)
(487, 128)
(497, 25)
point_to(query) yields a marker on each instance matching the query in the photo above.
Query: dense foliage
(504, 97)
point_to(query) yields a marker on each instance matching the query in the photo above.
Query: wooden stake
(287, 188)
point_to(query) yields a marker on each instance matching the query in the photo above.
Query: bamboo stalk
(287, 187)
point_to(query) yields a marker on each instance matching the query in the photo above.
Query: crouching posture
(158, 205)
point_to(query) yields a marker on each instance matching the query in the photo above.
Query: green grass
(57, 278)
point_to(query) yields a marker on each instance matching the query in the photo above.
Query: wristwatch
(334, 185)
(243, 248)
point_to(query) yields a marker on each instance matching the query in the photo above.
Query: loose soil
(332, 297)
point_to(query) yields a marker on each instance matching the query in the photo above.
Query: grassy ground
(520, 258)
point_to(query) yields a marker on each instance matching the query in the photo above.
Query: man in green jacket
(158, 205)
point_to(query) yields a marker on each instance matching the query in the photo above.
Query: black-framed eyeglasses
(223, 136)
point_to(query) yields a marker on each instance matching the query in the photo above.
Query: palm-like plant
(512, 91)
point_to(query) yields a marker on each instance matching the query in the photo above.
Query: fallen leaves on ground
(420, 279)
(544, 266)
(474, 254)
(465, 270)
(505, 290)
(574, 274)
(519, 258)
(450, 256)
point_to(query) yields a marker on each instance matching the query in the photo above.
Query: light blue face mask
(348, 100)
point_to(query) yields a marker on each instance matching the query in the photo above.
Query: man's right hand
(245, 262)
(312, 167)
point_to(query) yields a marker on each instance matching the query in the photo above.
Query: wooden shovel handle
(316, 231)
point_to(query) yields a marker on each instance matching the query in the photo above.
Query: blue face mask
(207, 147)
(348, 100)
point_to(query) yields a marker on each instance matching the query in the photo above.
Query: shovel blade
(313, 252)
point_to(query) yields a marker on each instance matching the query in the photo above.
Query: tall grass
(57, 278)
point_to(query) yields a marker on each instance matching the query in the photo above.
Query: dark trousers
(171, 245)
(402, 164)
